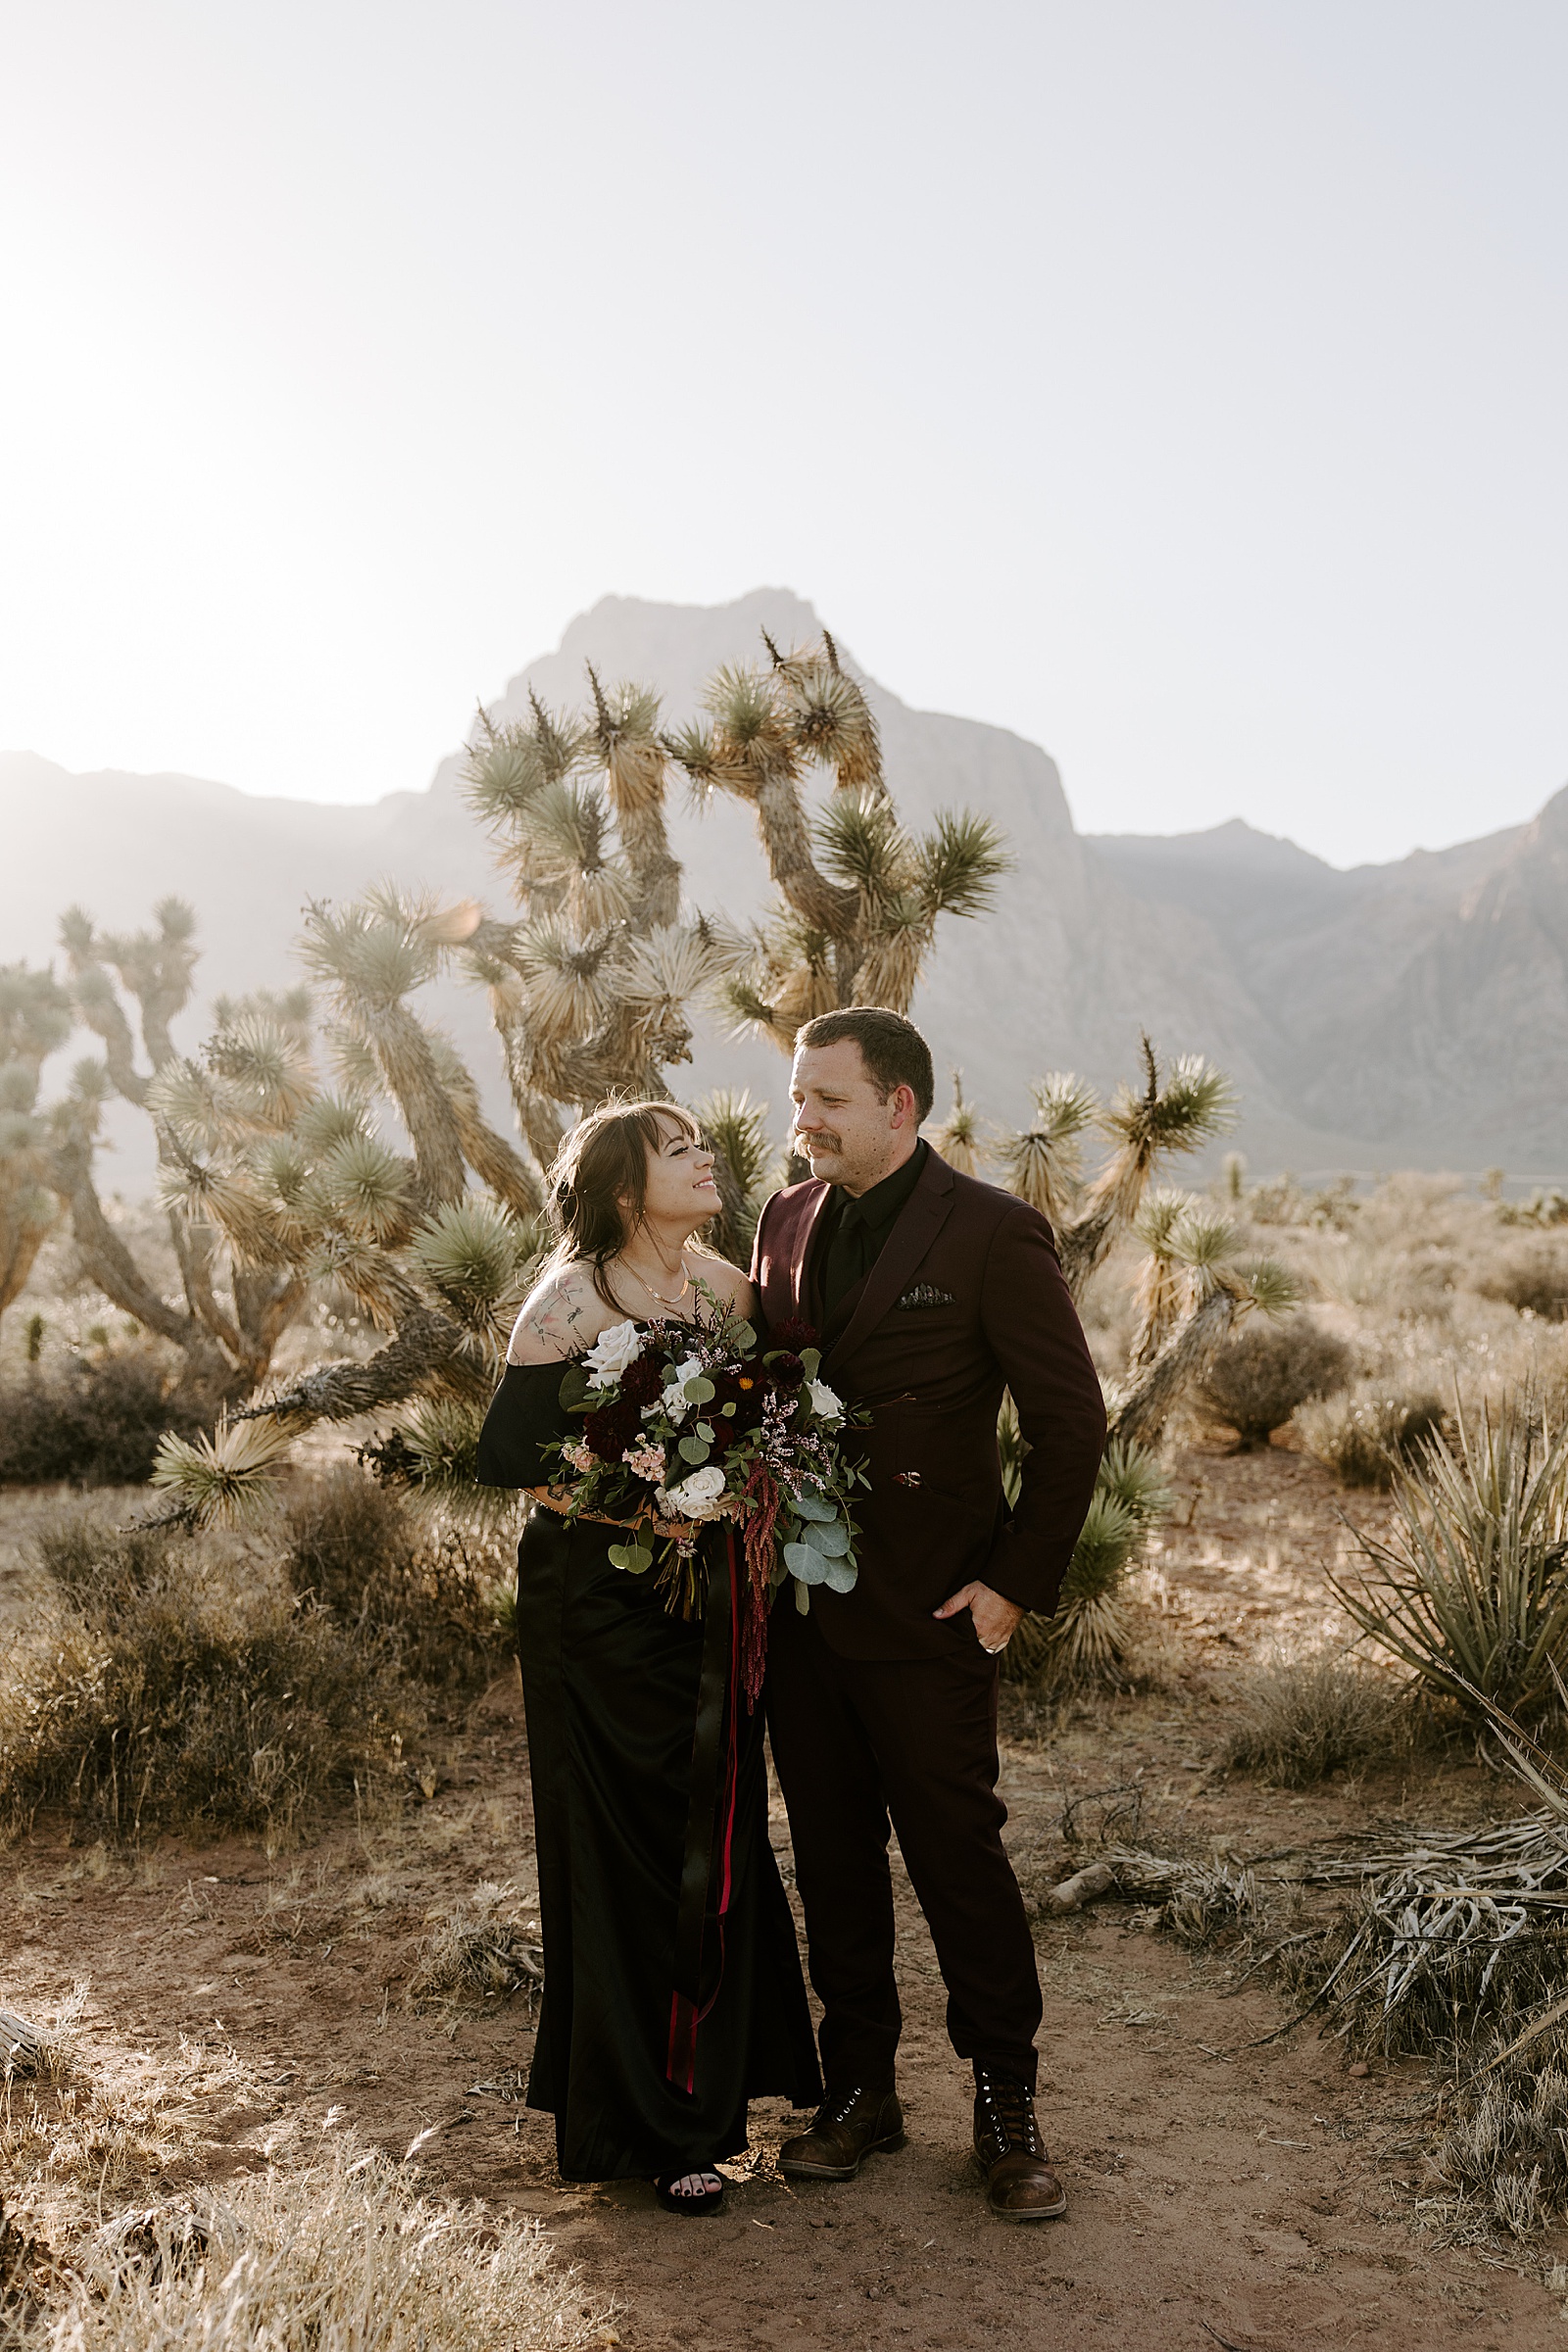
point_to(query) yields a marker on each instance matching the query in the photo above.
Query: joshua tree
(859, 897)
(274, 1184)
(591, 989)
(34, 1021)
(227, 1329)
(1193, 1286)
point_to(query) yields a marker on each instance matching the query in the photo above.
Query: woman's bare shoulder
(560, 1316)
(724, 1282)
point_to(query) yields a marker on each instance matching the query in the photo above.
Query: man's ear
(905, 1112)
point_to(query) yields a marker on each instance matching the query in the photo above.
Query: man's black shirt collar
(882, 1204)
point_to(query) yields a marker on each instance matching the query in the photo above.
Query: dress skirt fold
(611, 1687)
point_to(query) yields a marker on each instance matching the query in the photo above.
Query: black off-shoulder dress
(672, 1979)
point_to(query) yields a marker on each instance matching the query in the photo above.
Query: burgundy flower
(787, 1371)
(795, 1335)
(746, 1390)
(613, 1429)
(643, 1380)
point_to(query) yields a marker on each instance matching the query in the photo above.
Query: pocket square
(926, 1293)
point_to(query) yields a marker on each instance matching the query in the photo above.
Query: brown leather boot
(1020, 2185)
(845, 2129)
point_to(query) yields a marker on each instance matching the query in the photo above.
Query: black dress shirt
(850, 1233)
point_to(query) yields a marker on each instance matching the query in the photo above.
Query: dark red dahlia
(746, 1390)
(613, 1429)
(795, 1335)
(787, 1371)
(643, 1380)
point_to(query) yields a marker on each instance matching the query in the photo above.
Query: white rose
(613, 1350)
(696, 1496)
(823, 1400)
(677, 1405)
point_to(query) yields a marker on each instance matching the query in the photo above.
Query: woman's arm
(560, 1318)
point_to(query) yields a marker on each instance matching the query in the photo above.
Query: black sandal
(702, 2200)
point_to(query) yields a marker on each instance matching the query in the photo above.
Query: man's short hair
(894, 1052)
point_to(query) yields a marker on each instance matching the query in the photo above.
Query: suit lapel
(800, 1251)
(920, 1220)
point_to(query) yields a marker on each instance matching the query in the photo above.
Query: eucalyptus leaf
(699, 1390)
(575, 1386)
(811, 1505)
(635, 1558)
(839, 1575)
(693, 1449)
(803, 1562)
(705, 1432)
(743, 1336)
(811, 1358)
(830, 1537)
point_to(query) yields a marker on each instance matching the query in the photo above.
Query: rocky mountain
(1415, 1013)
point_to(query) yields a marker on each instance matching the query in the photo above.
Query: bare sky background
(1180, 382)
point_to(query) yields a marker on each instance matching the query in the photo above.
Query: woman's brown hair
(599, 1183)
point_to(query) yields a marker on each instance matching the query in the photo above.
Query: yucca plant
(1470, 1590)
(1089, 1637)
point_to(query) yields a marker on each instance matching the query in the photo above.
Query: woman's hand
(996, 1620)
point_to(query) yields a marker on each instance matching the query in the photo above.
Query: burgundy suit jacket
(966, 1298)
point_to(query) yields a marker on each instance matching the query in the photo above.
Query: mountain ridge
(1408, 1013)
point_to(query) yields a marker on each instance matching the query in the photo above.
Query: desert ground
(1230, 2184)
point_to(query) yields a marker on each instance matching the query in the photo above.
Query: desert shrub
(91, 1423)
(349, 1539)
(1295, 1720)
(165, 1704)
(432, 1594)
(1532, 1276)
(1364, 1433)
(1546, 1205)
(1265, 1371)
(343, 2252)
(1471, 1589)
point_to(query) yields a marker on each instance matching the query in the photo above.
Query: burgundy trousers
(860, 1744)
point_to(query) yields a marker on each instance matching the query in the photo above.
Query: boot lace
(1008, 2109)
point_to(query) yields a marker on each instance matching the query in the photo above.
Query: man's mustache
(819, 1141)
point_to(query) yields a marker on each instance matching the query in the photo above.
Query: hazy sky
(1181, 382)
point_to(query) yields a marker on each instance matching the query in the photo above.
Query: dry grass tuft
(344, 2253)
(1297, 1719)
(1504, 2158)
(481, 1950)
(1195, 1901)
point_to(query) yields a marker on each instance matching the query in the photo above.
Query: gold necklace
(681, 1293)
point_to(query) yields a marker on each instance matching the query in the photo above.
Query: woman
(629, 1708)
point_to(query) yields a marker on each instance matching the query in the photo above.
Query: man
(932, 1293)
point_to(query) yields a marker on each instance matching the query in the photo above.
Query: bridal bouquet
(684, 1424)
